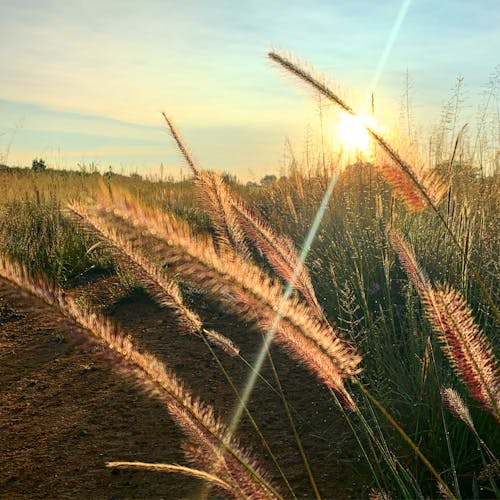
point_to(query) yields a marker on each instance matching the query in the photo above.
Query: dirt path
(67, 406)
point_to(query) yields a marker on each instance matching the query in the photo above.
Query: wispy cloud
(204, 63)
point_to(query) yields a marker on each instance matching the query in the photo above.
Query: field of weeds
(331, 334)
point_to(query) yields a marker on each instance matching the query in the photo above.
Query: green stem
(445, 426)
(250, 417)
(294, 430)
(407, 438)
(405, 167)
(355, 434)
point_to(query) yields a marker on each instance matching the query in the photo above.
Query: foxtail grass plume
(179, 469)
(132, 257)
(464, 344)
(165, 291)
(280, 253)
(218, 200)
(409, 261)
(418, 187)
(180, 144)
(457, 406)
(235, 224)
(216, 197)
(238, 473)
(246, 289)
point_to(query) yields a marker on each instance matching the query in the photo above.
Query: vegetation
(390, 303)
(38, 164)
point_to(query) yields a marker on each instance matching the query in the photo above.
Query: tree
(38, 165)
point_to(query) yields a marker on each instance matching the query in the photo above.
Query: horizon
(87, 83)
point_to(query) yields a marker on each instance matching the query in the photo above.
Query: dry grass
(242, 286)
(466, 347)
(415, 184)
(210, 446)
(247, 260)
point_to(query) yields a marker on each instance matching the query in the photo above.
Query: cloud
(101, 72)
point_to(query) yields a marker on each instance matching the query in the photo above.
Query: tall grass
(360, 300)
(222, 460)
(35, 232)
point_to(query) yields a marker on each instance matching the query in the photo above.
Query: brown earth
(67, 405)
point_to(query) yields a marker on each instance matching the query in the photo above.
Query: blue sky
(86, 80)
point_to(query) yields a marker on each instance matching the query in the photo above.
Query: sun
(353, 134)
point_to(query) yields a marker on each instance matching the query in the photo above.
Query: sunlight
(352, 133)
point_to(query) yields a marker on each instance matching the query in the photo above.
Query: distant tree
(38, 165)
(268, 179)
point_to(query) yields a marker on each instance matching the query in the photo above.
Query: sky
(86, 81)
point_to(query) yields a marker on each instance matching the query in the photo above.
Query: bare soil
(67, 405)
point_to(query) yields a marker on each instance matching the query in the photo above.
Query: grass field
(134, 298)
